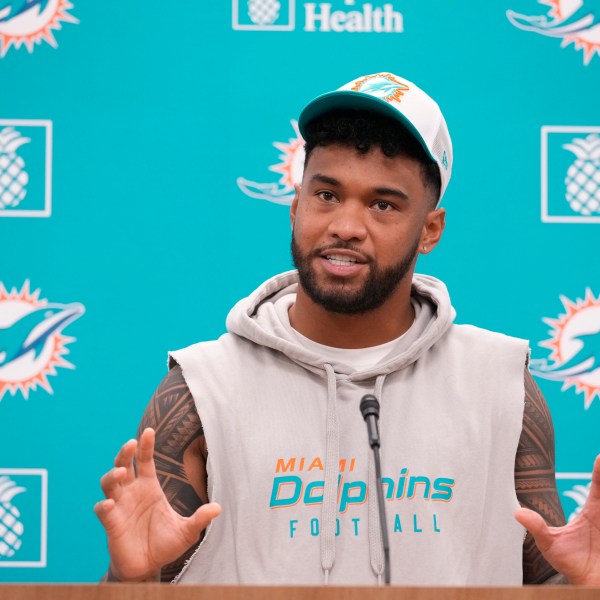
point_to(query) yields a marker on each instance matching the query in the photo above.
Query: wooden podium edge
(156, 591)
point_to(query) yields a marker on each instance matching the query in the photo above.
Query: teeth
(339, 259)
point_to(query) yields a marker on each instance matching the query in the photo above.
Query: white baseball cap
(400, 99)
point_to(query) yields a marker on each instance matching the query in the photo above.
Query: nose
(348, 222)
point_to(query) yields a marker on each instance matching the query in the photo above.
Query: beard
(379, 285)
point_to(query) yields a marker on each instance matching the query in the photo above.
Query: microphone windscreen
(369, 405)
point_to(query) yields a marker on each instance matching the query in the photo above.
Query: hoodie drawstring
(375, 542)
(332, 466)
(330, 492)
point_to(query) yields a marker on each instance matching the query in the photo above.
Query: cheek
(392, 245)
(306, 226)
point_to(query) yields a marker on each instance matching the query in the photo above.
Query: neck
(371, 328)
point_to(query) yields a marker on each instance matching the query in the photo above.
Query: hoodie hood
(255, 318)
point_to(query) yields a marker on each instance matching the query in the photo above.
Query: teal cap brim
(348, 99)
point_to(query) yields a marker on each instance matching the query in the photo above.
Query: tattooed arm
(179, 452)
(535, 480)
(155, 516)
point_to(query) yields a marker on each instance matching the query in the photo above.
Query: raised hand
(574, 549)
(144, 532)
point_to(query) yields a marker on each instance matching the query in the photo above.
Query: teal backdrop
(146, 155)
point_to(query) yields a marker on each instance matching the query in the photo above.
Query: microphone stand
(369, 407)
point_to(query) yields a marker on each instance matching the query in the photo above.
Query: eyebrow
(382, 191)
(391, 192)
(325, 179)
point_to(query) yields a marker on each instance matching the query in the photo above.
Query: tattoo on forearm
(535, 481)
(180, 454)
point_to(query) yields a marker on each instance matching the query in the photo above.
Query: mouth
(342, 260)
(342, 263)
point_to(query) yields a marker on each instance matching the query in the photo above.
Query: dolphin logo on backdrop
(12, 8)
(29, 22)
(579, 494)
(575, 21)
(290, 169)
(32, 344)
(575, 348)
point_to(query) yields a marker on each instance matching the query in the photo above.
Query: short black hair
(363, 130)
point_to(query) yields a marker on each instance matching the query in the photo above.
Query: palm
(573, 550)
(144, 532)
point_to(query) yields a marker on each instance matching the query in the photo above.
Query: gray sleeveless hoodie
(289, 460)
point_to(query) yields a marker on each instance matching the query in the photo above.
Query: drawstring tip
(326, 576)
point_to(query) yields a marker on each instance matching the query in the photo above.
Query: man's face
(358, 222)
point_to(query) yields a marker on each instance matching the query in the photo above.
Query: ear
(294, 206)
(435, 221)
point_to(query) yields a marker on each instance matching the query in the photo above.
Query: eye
(327, 196)
(383, 206)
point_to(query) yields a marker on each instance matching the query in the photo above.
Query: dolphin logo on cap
(381, 85)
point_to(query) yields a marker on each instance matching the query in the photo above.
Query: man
(266, 419)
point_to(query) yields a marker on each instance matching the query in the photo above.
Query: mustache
(341, 246)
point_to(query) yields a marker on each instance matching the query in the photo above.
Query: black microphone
(369, 407)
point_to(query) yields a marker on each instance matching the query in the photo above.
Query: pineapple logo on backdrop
(13, 176)
(29, 22)
(290, 169)
(32, 343)
(23, 517)
(571, 174)
(11, 529)
(264, 15)
(575, 348)
(574, 21)
(25, 168)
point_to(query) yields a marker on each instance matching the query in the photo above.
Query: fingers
(144, 455)
(536, 525)
(125, 459)
(112, 482)
(596, 478)
(102, 509)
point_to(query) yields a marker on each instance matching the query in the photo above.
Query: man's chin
(334, 286)
(337, 298)
(326, 279)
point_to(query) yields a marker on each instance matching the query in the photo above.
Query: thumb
(536, 525)
(203, 516)
(103, 509)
